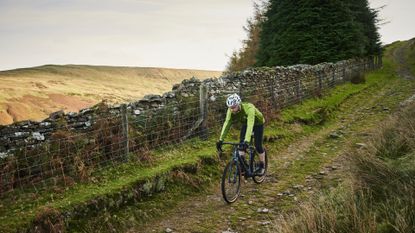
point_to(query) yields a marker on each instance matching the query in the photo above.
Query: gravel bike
(238, 167)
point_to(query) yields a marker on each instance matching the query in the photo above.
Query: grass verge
(381, 196)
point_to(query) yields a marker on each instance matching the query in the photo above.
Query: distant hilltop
(34, 93)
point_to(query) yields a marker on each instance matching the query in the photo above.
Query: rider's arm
(226, 125)
(250, 123)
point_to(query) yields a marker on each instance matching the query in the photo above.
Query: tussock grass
(381, 196)
(327, 214)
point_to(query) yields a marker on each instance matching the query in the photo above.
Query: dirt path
(400, 59)
(295, 172)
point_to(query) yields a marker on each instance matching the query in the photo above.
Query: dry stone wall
(283, 85)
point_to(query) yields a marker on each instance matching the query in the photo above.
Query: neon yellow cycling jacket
(248, 115)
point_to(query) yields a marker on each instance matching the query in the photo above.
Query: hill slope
(34, 93)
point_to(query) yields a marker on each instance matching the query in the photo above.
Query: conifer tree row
(314, 31)
(290, 32)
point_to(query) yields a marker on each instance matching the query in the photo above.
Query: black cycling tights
(258, 135)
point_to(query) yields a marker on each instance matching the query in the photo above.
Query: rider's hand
(219, 145)
(243, 145)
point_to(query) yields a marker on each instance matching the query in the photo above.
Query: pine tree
(369, 19)
(246, 56)
(314, 31)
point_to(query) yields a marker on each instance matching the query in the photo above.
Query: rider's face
(234, 109)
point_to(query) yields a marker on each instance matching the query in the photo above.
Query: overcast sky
(195, 34)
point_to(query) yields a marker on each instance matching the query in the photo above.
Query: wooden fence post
(320, 82)
(124, 117)
(380, 62)
(298, 89)
(274, 97)
(377, 62)
(344, 74)
(203, 110)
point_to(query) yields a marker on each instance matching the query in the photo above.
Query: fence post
(274, 98)
(298, 89)
(18, 171)
(380, 62)
(240, 88)
(320, 82)
(124, 117)
(377, 62)
(369, 65)
(203, 110)
(344, 74)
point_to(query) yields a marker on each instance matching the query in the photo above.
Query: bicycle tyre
(255, 161)
(231, 177)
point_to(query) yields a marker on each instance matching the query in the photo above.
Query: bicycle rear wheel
(255, 164)
(231, 182)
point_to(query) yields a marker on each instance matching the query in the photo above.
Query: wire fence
(69, 157)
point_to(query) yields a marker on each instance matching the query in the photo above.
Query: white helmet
(233, 100)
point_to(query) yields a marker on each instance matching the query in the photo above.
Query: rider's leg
(258, 136)
(262, 157)
(241, 140)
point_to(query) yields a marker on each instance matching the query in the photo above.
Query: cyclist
(252, 121)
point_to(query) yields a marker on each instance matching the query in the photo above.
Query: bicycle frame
(248, 169)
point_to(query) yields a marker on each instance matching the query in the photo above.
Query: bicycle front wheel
(231, 182)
